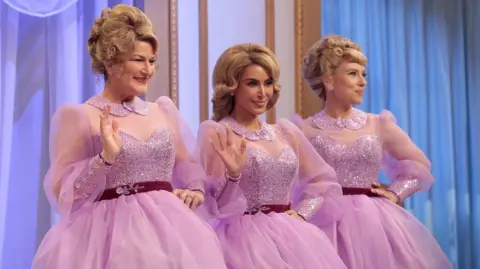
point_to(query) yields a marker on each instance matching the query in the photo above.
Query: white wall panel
(285, 51)
(230, 23)
(188, 62)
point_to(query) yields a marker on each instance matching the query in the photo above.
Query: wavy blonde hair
(113, 36)
(325, 56)
(229, 69)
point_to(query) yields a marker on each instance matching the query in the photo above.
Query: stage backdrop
(424, 66)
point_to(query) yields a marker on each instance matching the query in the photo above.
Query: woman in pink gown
(368, 228)
(113, 162)
(253, 167)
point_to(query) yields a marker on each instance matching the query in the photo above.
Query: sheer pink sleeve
(223, 197)
(298, 121)
(187, 173)
(403, 162)
(76, 175)
(316, 179)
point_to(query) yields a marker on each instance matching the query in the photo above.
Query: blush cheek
(133, 82)
(269, 96)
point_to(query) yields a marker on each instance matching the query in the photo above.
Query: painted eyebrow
(254, 79)
(358, 70)
(143, 57)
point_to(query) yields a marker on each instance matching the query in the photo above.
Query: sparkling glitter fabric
(358, 150)
(138, 162)
(356, 121)
(373, 233)
(281, 167)
(357, 165)
(144, 230)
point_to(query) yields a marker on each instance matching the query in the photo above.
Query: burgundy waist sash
(359, 191)
(265, 209)
(135, 188)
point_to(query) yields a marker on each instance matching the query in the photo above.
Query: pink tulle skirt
(275, 241)
(147, 230)
(373, 233)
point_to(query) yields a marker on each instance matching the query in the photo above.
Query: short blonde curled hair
(229, 69)
(325, 56)
(113, 36)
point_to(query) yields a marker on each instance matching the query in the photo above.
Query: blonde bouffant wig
(230, 68)
(113, 36)
(325, 56)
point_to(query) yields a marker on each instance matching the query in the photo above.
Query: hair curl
(113, 36)
(325, 56)
(229, 69)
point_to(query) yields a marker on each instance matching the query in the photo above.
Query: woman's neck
(113, 96)
(337, 110)
(251, 122)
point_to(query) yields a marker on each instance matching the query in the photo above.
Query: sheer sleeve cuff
(226, 191)
(405, 188)
(308, 207)
(86, 184)
(197, 185)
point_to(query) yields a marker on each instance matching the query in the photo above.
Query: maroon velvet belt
(135, 188)
(359, 191)
(265, 209)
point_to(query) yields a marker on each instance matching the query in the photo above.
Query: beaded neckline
(265, 132)
(355, 121)
(137, 106)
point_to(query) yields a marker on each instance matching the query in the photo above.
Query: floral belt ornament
(267, 209)
(134, 188)
(129, 189)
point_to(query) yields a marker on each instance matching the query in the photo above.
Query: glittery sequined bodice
(139, 161)
(267, 179)
(357, 164)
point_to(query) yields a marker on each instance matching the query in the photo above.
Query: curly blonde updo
(113, 36)
(325, 56)
(229, 69)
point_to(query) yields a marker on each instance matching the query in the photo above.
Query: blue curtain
(424, 59)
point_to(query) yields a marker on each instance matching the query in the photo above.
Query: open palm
(111, 140)
(233, 157)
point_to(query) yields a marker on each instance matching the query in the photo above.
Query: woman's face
(254, 91)
(131, 77)
(348, 83)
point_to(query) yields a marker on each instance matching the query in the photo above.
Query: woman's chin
(258, 111)
(357, 101)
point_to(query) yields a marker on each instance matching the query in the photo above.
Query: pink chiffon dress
(282, 171)
(372, 232)
(124, 215)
